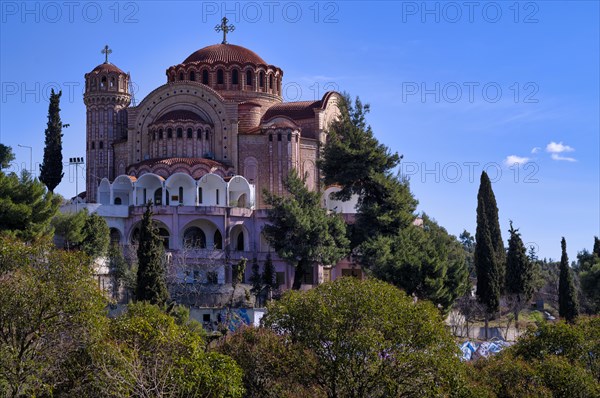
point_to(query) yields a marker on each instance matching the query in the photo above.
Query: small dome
(226, 53)
(107, 67)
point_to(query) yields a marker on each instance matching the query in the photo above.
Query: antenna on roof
(133, 102)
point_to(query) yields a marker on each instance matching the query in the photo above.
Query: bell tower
(106, 99)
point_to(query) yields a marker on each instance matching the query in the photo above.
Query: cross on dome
(106, 51)
(225, 29)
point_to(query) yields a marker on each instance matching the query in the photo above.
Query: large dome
(226, 53)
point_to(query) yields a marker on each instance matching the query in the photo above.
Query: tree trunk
(299, 274)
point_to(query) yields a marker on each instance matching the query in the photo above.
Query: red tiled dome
(225, 53)
(107, 67)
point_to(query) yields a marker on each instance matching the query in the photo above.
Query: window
(270, 137)
(199, 133)
(235, 77)
(118, 201)
(308, 277)
(207, 135)
(240, 242)
(199, 194)
(158, 197)
(169, 133)
(180, 194)
(217, 194)
(112, 82)
(204, 76)
(144, 196)
(101, 145)
(270, 81)
(220, 78)
(154, 136)
(278, 136)
(190, 133)
(194, 237)
(193, 76)
(93, 145)
(261, 79)
(179, 132)
(248, 78)
(352, 272)
(218, 240)
(181, 76)
(160, 134)
(103, 82)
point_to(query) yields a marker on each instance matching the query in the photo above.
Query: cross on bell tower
(106, 51)
(223, 27)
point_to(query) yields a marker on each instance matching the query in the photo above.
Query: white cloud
(514, 159)
(553, 147)
(535, 149)
(556, 156)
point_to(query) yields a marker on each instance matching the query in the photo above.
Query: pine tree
(151, 285)
(301, 231)
(568, 306)
(6, 156)
(489, 254)
(519, 272)
(51, 171)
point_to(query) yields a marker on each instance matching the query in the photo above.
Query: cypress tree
(51, 171)
(269, 276)
(519, 271)
(489, 253)
(151, 285)
(568, 307)
(596, 249)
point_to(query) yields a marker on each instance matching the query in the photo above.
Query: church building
(203, 147)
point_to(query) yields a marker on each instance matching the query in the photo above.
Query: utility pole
(76, 162)
(30, 157)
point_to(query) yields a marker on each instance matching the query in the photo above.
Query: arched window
(220, 78)
(154, 136)
(190, 133)
(118, 201)
(199, 134)
(169, 133)
(249, 78)
(204, 76)
(193, 76)
(200, 195)
(112, 82)
(180, 194)
(158, 197)
(194, 237)
(160, 134)
(103, 82)
(270, 81)
(261, 79)
(218, 240)
(235, 77)
(240, 242)
(207, 135)
(93, 145)
(180, 75)
(179, 132)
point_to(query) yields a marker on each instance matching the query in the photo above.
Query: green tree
(519, 272)
(6, 156)
(273, 367)
(151, 284)
(269, 276)
(301, 231)
(468, 242)
(596, 249)
(489, 253)
(96, 236)
(69, 228)
(148, 354)
(51, 308)
(51, 170)
(568, 306)
(124, 277)
(369, 340)
(590, 285)
(26, 208)
(425, 261)
(256, 280)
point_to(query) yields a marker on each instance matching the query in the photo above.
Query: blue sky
(456, 87)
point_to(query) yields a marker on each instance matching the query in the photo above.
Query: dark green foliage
(6, 156)
(596, 249)
(568, 306)
(590, 285)
(51, 170)
(269, 276)
(585, 261)
(256, 278)
(26, 207)
(273, 367)
(519, 272)
(83, 231)
(468, 242)
(369, 339)
(238, 271)
(489, 253)
(301, 231)
(124, 277)
(151, 285)
(424, 261)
